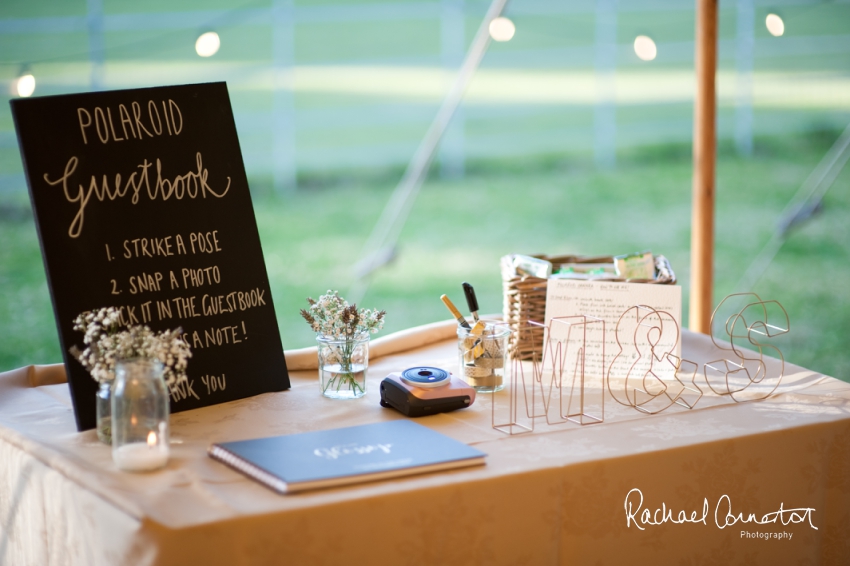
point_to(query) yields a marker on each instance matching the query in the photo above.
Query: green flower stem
(346, 377)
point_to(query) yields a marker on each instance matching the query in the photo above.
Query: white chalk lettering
(206, 242)
(221, 336)
(84, 123)
(130, 127)
(214, 383)
(201, 276)
(182, 389)
(148, 247)
(145, 282)
(185, 307)
(193, 184)
(163, 310)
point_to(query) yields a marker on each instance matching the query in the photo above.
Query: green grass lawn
(458, 230)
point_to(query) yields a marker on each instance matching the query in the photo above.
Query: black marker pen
(471, 300)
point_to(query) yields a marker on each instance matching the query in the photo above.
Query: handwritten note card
(608, 301)
(142, 203)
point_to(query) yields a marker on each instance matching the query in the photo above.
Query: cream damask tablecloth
(557, 496)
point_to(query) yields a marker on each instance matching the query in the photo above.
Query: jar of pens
(482, 346)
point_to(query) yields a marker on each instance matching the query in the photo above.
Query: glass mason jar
(139, 415)
(483, 356)
(342, 366)
(103, 407)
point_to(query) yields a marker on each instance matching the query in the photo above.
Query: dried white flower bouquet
(332, 317)
(105, 344)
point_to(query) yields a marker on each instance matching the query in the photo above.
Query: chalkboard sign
(142, 203)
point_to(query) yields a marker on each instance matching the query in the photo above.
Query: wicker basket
(525, 298)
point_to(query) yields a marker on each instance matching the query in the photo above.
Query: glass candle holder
(483, 355)
(140, 409)
(103, 406)
(342, 366)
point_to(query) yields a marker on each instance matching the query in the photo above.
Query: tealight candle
(141, 456)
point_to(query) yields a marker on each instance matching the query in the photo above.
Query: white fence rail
(566, 97)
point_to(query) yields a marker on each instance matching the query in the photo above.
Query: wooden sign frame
(142, 203)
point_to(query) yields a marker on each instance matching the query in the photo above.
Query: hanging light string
(380, 247)
(230, 17)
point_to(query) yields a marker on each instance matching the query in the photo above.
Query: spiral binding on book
(247, 468)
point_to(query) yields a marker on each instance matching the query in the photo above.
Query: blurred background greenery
(566, 141)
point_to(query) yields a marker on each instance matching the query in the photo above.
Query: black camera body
(423, 391)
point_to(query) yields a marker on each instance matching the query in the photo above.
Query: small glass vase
(103, 410)
(140, 409)
(342, 366)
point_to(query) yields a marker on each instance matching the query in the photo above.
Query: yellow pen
(456, 313)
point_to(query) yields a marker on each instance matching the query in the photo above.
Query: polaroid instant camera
(422, 391)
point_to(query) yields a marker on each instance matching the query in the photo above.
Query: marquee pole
(704, 156)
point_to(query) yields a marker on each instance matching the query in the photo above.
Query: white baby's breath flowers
(332, 317)
(106, 344)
